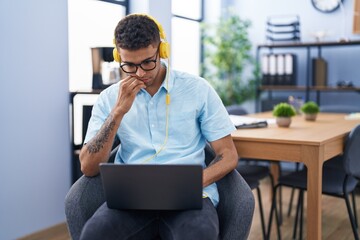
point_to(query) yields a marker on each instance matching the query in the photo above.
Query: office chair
(338, 108)
(235, 209)
(252, 174)
(337, 182)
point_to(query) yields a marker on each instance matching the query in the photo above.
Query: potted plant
(228, 63)
(310, 109)
(283, 113)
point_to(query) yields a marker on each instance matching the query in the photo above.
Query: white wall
(34, 125)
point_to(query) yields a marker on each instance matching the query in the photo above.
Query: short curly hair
(136, 31)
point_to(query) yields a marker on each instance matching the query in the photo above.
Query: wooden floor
(336, 225)
(57, 232)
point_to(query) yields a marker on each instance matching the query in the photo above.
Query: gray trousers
(137, 224)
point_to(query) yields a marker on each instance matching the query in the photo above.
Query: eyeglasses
(146, 65)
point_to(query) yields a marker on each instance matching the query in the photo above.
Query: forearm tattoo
(97, 143)
(216, 159)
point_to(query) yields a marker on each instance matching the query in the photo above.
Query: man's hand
(129, 87)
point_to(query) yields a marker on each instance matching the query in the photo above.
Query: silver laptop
(152, 187)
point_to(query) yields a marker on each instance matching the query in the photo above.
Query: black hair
(136, 31)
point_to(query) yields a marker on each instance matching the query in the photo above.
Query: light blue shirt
(195, 115)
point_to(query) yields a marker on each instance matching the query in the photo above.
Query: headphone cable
(167, 103)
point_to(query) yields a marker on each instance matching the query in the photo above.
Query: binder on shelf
(290, 69)
(272, 69)
(265, 69)
(319, 72)
(280, 69)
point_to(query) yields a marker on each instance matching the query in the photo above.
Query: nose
(140, 72)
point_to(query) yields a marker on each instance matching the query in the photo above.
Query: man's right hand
(129, 87)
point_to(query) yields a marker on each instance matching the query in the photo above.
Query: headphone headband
(164, 48)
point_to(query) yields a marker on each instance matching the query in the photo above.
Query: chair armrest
(85, 196)
(236, 207)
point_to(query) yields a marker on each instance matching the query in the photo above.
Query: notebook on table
(242, 122)
(152, 187)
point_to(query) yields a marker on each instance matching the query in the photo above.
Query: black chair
(252, 174)
(338, 108)
(337, 181)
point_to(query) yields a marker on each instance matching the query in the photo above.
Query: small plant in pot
(283, 113)
(310, 109)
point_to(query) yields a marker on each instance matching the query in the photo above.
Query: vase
(283, 121)
(310, 116)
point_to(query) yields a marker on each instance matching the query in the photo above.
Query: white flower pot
(283, 121)
(310, 116)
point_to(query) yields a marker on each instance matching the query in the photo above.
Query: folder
(243, 122)
(280, 69)
(272, 69)
(265, 69)
(290, 67)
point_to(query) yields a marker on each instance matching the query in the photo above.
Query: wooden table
(307, 142)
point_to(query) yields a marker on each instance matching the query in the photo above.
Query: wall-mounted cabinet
(315, 68)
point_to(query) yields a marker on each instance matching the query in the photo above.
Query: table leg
(313, 158)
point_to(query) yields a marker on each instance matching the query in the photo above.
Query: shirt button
(151, 103)
(152, 125)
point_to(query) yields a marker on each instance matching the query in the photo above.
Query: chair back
(209, 154)
(352, 153)
(339, 108)
(236, 110)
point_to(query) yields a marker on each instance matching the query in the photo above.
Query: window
(186, 38)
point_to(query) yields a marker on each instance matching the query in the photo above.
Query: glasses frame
(139, 64)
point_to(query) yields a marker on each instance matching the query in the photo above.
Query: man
(160, 116)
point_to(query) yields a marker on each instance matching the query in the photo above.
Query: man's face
(144, 64)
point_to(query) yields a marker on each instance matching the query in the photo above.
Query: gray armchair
(235, 209)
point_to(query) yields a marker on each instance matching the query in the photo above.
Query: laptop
(152, 187)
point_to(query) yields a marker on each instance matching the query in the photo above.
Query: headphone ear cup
(116, 55)
(164, 50)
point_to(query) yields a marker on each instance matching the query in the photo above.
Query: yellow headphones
(164, 48)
